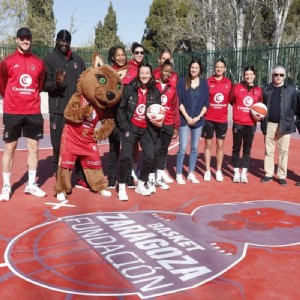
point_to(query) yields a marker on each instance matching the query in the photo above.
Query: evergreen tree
(166, 24)
(40, 20)
(106, 33)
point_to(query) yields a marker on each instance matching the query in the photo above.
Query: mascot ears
(97, 61)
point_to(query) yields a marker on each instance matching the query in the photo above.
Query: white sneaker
(142, 190)
(34, 190)
(236, 178)
(105, 193)
(207, 176)
(244, 178)
(122, 195)
(179, 179)
(60, 197)
(162, 184)
(151, 187)
(192, 178)
(219, 176)
(167, 178)
(6, 192)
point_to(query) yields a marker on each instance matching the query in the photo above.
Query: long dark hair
(188, 78)
(112, 52)
(136, 45)
(137, 83)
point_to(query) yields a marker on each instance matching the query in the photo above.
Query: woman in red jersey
(216, 118)
(134, 125)
(165, 54)
(138, 54)
(243, 96)
(117, 59)
(169, 130)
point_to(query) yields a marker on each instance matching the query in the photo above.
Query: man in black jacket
(63, 69)
(281, 101)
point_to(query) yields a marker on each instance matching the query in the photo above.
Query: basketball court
(207, 241)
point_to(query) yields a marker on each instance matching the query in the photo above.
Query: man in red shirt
(22, 76)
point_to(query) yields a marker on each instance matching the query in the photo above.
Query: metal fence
(262, 58)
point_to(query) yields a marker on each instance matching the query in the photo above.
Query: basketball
(156, 113)
(259, 110)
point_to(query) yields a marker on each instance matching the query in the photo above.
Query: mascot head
(100, 85)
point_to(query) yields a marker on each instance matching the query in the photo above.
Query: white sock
(236, 170)
(160, 174)
(31, 177)
(6, 178)
(151, 177)
(141, 184)
(122, 187)
(244, 171)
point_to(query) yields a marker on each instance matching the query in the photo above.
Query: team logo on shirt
(32, 67)
(248, 101)
(25, 80)
(75, 65)
(219, 97)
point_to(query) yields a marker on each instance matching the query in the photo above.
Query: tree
(40, 20)
(106, 33)
(165, 25)
(12, 16)
(280, 10)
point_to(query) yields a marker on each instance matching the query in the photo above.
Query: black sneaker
(266, 179)
(112, 183)
(130, 182)
(282, 182)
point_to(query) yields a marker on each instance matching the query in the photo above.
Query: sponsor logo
(248, 101)
(25, 80)
(140, 109)
(219, 97)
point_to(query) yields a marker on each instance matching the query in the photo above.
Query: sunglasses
(25, 37)
(276, 75)
(139, 52)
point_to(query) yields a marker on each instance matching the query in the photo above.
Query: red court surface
(207, 241)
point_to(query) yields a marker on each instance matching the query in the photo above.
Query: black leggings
(128, 140)
(242, 134)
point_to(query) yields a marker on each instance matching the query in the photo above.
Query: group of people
(193, 106)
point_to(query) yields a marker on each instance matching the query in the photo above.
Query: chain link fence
(262, 58)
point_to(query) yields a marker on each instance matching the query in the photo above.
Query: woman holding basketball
(243, 96)
(216, 118)
(169, 130)
(134, 125)
(166, 54)
(193, 97)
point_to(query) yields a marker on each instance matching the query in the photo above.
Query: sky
(131, 16)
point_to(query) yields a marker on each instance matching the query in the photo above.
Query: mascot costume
(98, 89)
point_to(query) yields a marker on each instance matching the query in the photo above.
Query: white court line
(3, 265)
(58, 205)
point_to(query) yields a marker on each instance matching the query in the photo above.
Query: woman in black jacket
(134, 125)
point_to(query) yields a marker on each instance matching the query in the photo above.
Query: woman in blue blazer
(193, 94)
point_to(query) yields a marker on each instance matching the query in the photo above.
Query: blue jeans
(184, 133)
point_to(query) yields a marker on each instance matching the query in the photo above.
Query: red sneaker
(82, 184)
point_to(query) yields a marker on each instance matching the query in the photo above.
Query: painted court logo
(148, 253)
